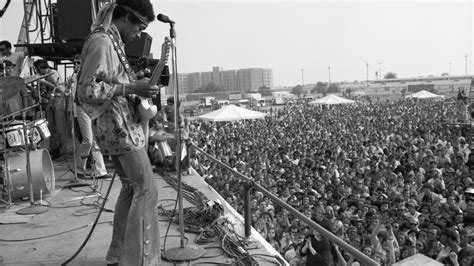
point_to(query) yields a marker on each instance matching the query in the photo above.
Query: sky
(301, 40)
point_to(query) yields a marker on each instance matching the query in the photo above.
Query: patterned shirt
(115, 124)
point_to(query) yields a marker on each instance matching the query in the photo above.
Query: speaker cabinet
(74, 19)
(139, 47)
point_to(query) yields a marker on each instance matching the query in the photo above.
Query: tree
(445, 74)
(298, 90)
(404, 91)
(349, 91)
(209, 87)
(265, 91)
(390, 75)
(333, 88)
(321, 87)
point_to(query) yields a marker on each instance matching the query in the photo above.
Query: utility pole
(302, 77)
(329, 72)
(380, 70)
(367, 79)
(465, 62)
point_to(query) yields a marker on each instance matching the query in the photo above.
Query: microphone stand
(184, 252)
(75, 182)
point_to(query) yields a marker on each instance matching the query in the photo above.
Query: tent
(231, 113)
(423, 95)
(332, 99)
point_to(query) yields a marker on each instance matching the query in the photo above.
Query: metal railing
(249, 184)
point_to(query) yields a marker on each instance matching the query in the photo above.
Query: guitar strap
(121, 55)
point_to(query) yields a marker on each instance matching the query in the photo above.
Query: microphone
(164, 18)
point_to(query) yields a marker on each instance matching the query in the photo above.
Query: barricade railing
(249, 184)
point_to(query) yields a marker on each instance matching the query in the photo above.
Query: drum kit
(26, 168)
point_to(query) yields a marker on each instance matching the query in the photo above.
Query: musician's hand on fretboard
(143, 88)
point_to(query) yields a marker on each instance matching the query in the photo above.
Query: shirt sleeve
(97, 84)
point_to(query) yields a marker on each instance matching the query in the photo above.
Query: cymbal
(11, 86)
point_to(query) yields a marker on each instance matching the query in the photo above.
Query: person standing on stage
(87, 145)
(106, 91)
(55, 109)
(16, 58)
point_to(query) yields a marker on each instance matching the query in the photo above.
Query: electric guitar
(146, 108)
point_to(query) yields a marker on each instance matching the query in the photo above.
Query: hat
(412, 202)
(469, 190)
(462, 139)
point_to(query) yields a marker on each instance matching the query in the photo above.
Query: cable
(168, 229)
(48, 236)
(93, 225)
(50, 205)
(267, 258)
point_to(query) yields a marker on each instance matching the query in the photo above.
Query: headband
(104, 17)
(140, 17)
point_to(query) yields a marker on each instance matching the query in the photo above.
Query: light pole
(329, 72)
(465, 62)
(302, 77)
(449, 68)
(380, 70)
(367, 78)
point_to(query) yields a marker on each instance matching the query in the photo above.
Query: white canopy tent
(332, 99)
(423, 95)
(231, 113)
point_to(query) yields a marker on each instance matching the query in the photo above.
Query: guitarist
(106, 91)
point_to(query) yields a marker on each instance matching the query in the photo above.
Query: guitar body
(147, 111)
(146, 108)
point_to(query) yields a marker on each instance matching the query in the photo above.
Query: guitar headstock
(165, 51)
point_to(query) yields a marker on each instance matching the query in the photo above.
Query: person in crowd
(106, 91)
(355, 170)
(317, 250)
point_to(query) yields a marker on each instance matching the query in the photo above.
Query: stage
(53, 237)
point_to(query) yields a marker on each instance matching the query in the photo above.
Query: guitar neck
(155, 77)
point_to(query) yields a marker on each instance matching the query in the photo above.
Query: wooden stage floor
(53, 237)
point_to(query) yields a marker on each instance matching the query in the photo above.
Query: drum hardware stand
(184, 252)
(34, 207)
(93, 173)
(76, 182)
(7, 171)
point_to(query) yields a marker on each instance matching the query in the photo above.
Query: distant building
(193, 80)
(206, 78)
(235, 81)
(251, 79)
(443, 85)
(229, 81)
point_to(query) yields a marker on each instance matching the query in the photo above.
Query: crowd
(391, 179)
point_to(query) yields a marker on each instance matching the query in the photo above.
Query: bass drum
(42, 174)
